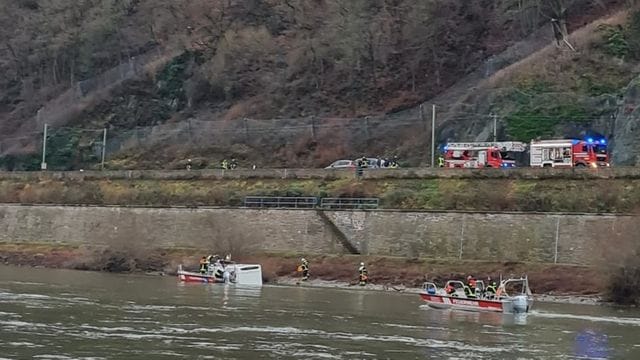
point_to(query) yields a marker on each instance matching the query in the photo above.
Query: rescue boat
(513, 296)
(230, 273)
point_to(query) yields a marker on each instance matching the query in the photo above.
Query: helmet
(361, 264)
(303, 260)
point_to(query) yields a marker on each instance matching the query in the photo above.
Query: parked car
(342, 164)
(373, 163)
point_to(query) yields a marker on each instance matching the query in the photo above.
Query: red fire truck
(481, 154)
(569, 153)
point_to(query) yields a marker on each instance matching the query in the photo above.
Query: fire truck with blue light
(477, 155)
(569, 153)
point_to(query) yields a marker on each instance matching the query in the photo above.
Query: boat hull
(187, 276)
(240, 274)
(508, 306)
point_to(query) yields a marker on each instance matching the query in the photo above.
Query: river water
(63, 314)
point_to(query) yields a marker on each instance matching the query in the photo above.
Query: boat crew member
(363, 274)
(450, 290)
(470, 289)
(304, 268)
(491, 289)
(469, 292)
(203, 265)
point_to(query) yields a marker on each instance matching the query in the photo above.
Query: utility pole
(495, 127)
(426, 124)
(43, 164)
(104, 147)
(433, 135)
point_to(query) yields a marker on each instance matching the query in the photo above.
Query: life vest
(469, 291)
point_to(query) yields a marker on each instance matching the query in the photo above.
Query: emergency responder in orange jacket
(204, 265)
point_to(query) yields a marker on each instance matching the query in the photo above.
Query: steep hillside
(591, 91)
(558, 91)
(176, 79)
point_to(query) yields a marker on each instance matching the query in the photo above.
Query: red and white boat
(512, 296)
(242, 274)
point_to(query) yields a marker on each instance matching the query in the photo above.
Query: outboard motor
(219, 272)
(520, 304)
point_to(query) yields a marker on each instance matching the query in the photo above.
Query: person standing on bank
(304, 268)
(363, 274)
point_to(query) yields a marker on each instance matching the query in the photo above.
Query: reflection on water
(520, 319)
(79, 315)
(591, 344)
(488, 318)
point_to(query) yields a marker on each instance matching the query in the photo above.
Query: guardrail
(310, 202)
(327, 174)
(349, 203)
(280, 202)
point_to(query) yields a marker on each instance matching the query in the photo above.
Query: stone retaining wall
(547, 238)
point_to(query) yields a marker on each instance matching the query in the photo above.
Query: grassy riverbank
(569, 195)
(385, 272)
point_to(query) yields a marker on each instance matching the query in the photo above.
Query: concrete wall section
(565, 238)
(219, 229)
(562, 238)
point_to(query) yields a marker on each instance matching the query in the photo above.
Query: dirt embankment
(388, 273)
(552, 195)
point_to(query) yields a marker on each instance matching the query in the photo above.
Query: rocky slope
(626, 127)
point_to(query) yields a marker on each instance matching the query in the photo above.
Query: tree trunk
(41, 72)
(413, 80)
(72, 69)
(55, 70)
(372, 58)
